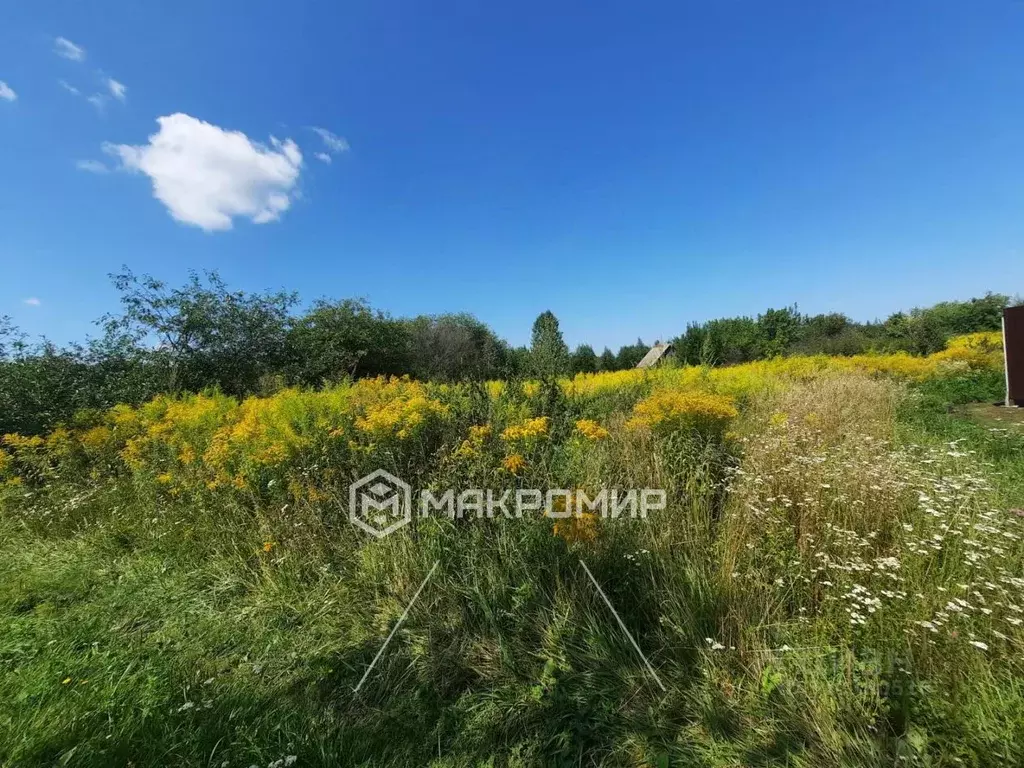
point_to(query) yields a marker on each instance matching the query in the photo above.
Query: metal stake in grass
(621, 624)
(397, 625)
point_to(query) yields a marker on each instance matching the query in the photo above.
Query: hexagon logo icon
(380, 503)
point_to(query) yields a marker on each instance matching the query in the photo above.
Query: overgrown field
(836, 580)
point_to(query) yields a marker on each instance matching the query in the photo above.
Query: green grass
(144, 632)
(959, 409)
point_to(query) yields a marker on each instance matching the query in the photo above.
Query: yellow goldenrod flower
(591, 430)
(395, 407)
(479, 433)
(514, 463)
(466, 450)
(187, 455)
(578, 528)
(96, 438)
(669, 410)
(59, 444)
(531, 428)
(22, 442)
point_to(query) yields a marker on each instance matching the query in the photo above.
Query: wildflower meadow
(837, 577)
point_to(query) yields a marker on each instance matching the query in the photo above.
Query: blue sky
(630, 166)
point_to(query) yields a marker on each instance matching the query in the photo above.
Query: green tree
(207, 334)
(777, 328)
(631, 354)
(9, 337)
(732, 340)
(689, 345)
(958, 317)
(549, 356)
(710, 352)
(42, 385)
(920, 332)
(584, 359)
(608, 361)
(456, 347)
(347, 338)
(517, 362)
(834, 334)
(725, 341)
(39, 387)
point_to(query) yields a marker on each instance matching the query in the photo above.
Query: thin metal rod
(621, 624)
(397, 625)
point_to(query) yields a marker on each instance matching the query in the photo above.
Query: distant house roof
(655, 355)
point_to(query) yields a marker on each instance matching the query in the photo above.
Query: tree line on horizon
(202, 335)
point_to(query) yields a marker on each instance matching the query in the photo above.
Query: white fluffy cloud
(32, 302)
(69, 87)
(64, 47)
(206, 175)
(6, 92)
(117, 90)
(334, 143)
(323, 157)
(92, 166)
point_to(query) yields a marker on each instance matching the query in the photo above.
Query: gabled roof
(654, 355)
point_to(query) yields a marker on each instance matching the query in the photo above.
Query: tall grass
(833, 582)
